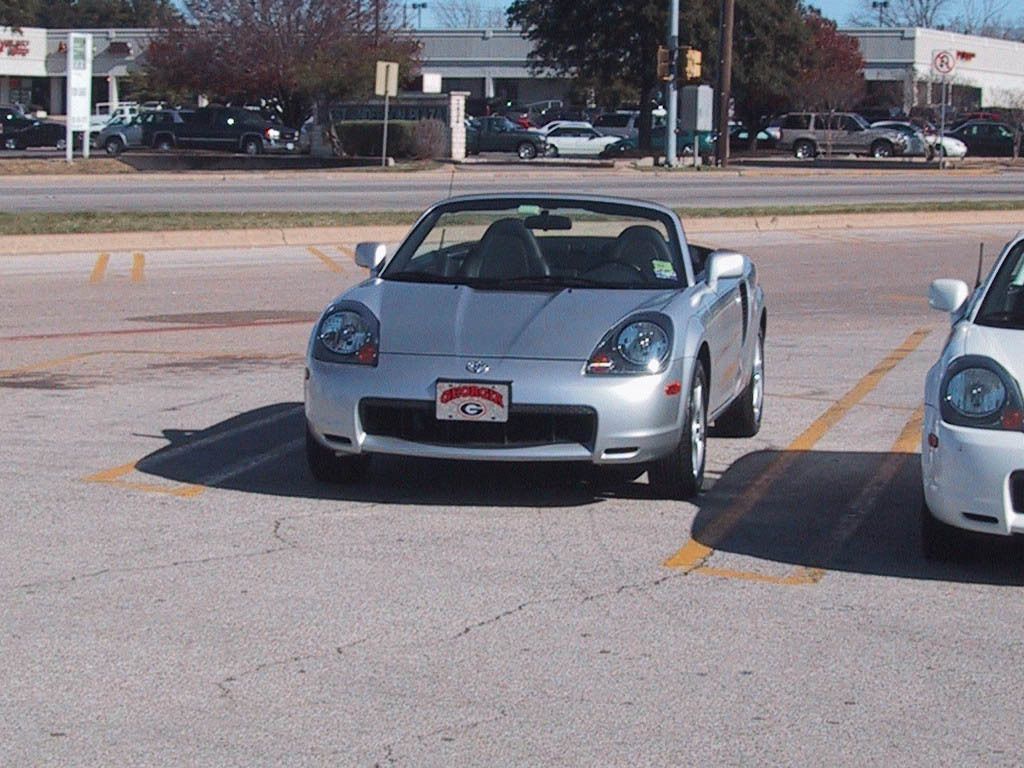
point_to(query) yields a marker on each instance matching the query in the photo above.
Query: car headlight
(640, 344)
(347, 333)
(272, 133)
(978, 392)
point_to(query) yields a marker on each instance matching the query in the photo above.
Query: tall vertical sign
(79, 90)
(386, 85)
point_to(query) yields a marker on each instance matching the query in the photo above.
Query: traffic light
(664, 64)
(693, 62)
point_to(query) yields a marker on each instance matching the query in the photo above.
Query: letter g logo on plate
(471, 409)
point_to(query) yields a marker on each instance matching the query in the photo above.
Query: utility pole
(671, 97)
(724, 82)
(880, 5)
(376, 23)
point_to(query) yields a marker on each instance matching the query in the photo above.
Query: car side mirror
(948, 295)
(371, 255)
(724, 265)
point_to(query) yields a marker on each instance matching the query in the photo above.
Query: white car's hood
(443, 320)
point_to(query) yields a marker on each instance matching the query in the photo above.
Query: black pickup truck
(230, 129)
(499, 134)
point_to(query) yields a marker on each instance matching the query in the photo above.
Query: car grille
(1017, 491)
(527, 425)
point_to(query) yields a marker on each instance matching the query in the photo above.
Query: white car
(549, 127)
(578, 141)
(950, 145)
(972, 449)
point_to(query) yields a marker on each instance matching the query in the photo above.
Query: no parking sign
(944, 62)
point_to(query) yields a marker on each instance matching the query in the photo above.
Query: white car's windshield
(1003, 306)
(521, 244)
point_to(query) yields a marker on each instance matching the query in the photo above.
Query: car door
(855, 138)
(726, 323)
(189, 134)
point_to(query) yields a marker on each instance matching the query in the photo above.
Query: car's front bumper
(970, 478)
(639, 418)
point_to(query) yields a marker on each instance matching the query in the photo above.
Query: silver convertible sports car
(539, 328)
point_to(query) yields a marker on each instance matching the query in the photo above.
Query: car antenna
(981, 258)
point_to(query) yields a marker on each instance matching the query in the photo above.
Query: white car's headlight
(978, 392)
(347, 333)
(640, 344)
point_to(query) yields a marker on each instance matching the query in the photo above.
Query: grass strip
(37, 223)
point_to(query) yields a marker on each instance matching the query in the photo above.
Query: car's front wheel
(114, 146)
(526, 151)
(881, 149)
(164, 144)
(328, 467)
(552, 150)
(252, 147)
(680, 474)
(803, 149)
(11, 144)
(743, 419)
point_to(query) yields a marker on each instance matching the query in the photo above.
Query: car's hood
(1004, 345)
(428, 319)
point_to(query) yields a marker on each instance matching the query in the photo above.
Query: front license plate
(471, 401)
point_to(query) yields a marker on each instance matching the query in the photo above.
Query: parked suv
(808, 134)
(233, 129)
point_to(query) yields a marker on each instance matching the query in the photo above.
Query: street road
(177, 590)
(409, 191)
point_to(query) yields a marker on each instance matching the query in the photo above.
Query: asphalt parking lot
(177, 590)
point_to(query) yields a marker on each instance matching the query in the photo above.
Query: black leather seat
(640, 246)
(506, 250)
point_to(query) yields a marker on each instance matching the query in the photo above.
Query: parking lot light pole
(671, 97)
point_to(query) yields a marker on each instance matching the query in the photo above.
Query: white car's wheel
(939, 542)
(680, 474)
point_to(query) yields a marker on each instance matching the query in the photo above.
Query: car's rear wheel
(526, 151)
(11, 144)
(328, 467)
(164, 144)
(252, 147)
(61, 144)
(114, 146)
(680, 474)
(939, 542)
(881, 148)
(743, 418)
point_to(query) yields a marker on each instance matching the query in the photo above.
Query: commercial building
(987, 72)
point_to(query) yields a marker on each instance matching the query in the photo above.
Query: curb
(23, 245)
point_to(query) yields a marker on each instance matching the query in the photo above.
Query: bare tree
(902, 13)
(981, 17)
(468, 14)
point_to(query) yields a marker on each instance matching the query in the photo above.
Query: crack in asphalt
(275, 532)
(339, 650)
(639, 587)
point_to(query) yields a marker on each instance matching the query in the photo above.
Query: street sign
(944, 62)
(79, 90)
(387, 78)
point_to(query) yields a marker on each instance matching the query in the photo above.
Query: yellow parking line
(138, 265)
(693, 554)
(327, 260)
(100, 269)
(115, 476)
(350, 252)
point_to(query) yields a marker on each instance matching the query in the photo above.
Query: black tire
(743, 418)
(804, 149)
(252, 146)
(680, 474)
(328, 467)
(11, 144)
(552, 151)
(526, 151)
(114, 146)
(881, 148)
(163, 144)
(939, 542)
(61, 144)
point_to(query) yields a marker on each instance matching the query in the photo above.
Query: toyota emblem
(477, 366)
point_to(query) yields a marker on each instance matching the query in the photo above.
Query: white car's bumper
(557, 412)
(974, 478)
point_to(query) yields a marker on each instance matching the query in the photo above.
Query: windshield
(1003, 306)
(523, 244)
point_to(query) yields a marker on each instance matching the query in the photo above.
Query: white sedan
(972, 451)
(578, 140)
